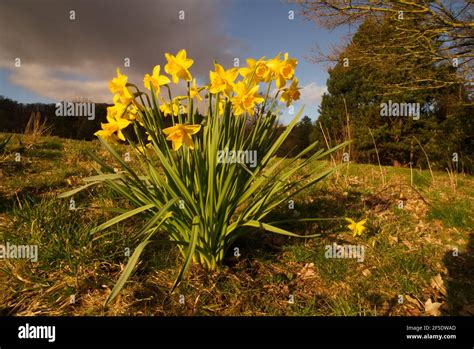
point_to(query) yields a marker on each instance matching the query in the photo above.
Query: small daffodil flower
(356, 228)
(180, 134)
(178, 66)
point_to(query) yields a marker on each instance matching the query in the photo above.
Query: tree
(357, 90)
(299, 138)
(435, 32)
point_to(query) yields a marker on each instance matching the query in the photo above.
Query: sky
(63, 59)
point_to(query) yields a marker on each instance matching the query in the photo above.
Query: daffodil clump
(181, 189)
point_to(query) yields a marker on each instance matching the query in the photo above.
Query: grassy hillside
(419, 247)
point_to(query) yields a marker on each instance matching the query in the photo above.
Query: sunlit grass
(259, 282)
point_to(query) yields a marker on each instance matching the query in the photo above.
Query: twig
(327, 144)
(378, 158)
(427, 159)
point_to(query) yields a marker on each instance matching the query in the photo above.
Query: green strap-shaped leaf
(100, 161)
(276, 230)
(132, 262)
(299, 220)
(120, 218)
(103, 177)
(74, 191)
(190, 252)
(281, 139)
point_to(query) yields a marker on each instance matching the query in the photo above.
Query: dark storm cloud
(63, 58)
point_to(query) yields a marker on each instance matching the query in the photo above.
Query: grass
(404, 247)
(457, 215)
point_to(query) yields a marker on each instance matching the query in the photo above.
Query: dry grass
(406, 248)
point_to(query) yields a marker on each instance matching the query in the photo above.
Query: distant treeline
(14, 117)
(437, 137)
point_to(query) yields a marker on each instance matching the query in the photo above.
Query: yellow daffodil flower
(178, 66)
(126, 97)
(119, 110)
(131, 113)
(118, 86)
(262, 71)
(256, 71)
(246, 98)
(174, 108)
(169, 109)
(282, 70)
(180, 134)
(222, 80)
(194, 91)
(114, 125)
(291, 93)
(357, 228)
(155, 79)
(142, 150)
(222, 106)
